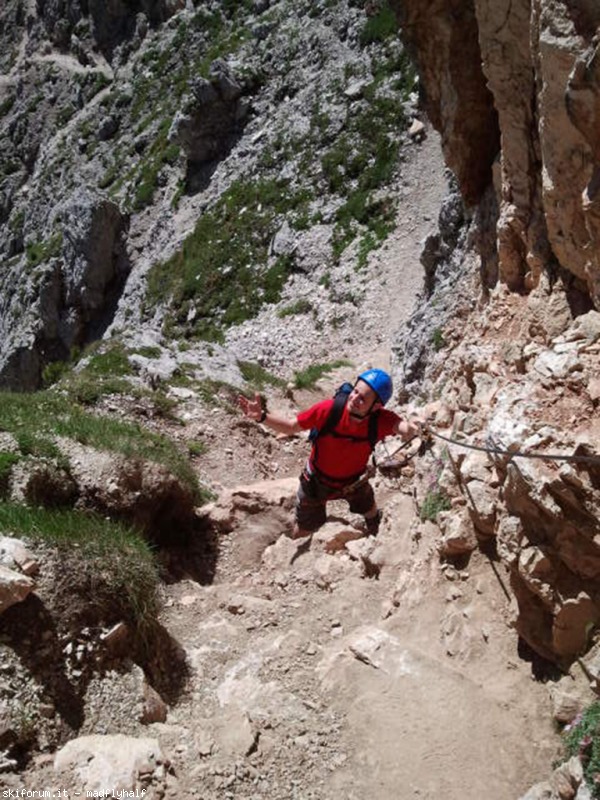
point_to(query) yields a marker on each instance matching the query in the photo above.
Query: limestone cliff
(514, 88)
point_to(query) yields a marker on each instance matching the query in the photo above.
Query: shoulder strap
(373, 428)
(335, 414)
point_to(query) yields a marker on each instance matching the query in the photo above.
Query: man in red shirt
(338, 459)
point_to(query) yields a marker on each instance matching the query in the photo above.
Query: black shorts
(312, 498)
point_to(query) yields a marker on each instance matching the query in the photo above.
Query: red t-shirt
(341, 458)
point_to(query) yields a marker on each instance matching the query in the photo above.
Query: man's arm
(253, 409)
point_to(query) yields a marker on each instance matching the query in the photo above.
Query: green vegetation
(363, 159)
(197, 448)
(105, 373)
(217, 393)
(301, 306)
(16, 222)
(380, 26)
(436, 500)
(35, 419)
(257, 376)
(437, 339)
(307, 378)
(159, 154)
(582, 738)
(149, 351)
(114, 559)
(38, 252)
(7, 104)
(221, 272)
(7, 462)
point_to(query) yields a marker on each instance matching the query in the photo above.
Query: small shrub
(435, 501)
(164, 405)
(113, 362)
(32, 444)
(325, 280)
(7, 104)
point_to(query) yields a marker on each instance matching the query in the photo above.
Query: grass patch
(149, 351)
(111, 554)
(379, 27)
(258, 377)
(582, 738)
(37, 252)
(223, 274)
(217, 394)
(7, 104)
(7, 462)
(197, 448)
(104, 373)
(435, 501)
(307, 378)
(301, 306)
(43, 415)
(437, 339)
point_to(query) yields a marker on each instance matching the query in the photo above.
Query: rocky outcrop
(117, 763)
(540, 63)
(107, 24)
(212, 118)
(444, 40)
(540, 515)
(63, 291)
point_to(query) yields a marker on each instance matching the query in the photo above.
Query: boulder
(92, 226)
(573, 625)
(112, 763)
(13, 553)
(481, 502)
(333, 536)
(458, 535)
(14, 587)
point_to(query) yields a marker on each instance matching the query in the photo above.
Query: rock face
(541, 516)
(109, 24)
(214, 115)
(444, 39)
(541, 64)
(67, 283)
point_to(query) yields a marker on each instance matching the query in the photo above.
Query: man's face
(361, 400)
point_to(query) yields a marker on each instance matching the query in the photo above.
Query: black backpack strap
(373, 428)
(335, 414)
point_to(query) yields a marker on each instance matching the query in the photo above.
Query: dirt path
(311, 680)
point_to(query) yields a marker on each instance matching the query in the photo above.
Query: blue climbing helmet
(380, 382)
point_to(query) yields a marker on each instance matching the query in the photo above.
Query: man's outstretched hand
(251, 408)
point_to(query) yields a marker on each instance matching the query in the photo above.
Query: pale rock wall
(540, 60)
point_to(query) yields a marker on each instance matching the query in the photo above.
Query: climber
(344, 431)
